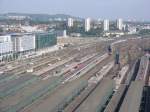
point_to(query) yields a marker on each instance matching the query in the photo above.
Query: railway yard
(83, 77)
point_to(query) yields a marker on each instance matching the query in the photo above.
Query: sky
(109, 9)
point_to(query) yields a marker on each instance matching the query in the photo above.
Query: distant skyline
(110, 9)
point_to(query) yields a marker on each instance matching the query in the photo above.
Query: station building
(18, 44)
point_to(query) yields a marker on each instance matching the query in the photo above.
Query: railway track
(55, 97)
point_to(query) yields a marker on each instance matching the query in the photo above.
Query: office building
(45, 40)
(23, 42)
(5, 45)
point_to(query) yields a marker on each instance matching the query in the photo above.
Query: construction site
(87, 75)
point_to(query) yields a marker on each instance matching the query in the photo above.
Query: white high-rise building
(106, 25)
(87, 24)
(70, 22)
(64, 33)
(120, 24)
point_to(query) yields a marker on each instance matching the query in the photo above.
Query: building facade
(6, 47)
(23, 42)
(44, 40)
(5, 44)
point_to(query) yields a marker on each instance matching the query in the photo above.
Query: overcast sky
(111, 9)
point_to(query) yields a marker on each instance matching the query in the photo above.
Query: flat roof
(98, 97)
(132, 100)
(115, 100)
